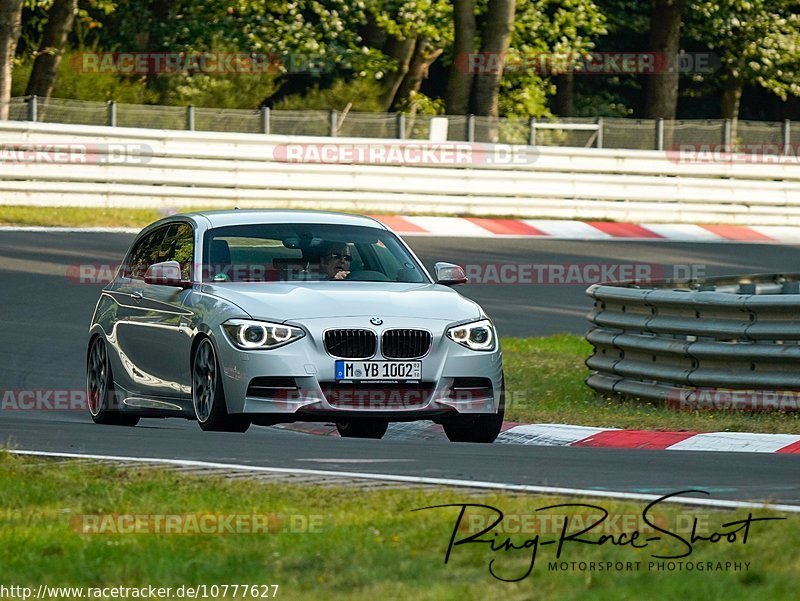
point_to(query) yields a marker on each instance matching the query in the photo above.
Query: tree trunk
(459, 81)
(565, 95)
(496, 38)
(731, 98)
(423, 57)
(661, 90)
(10, 28)
(402, 51)
(54, 39)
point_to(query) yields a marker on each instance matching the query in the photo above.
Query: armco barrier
(182, 169)
(718, 343)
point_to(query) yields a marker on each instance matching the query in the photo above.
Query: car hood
(279, 301)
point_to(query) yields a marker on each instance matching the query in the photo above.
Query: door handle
(137, 297)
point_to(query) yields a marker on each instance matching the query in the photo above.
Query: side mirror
(167, 273)
(448, 274)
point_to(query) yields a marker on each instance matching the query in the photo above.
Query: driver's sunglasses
(337, 256)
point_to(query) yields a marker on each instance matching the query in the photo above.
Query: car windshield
(306, 252)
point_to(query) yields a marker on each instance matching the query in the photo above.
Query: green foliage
(420, 104)
(363, 94)
(233, 91)
(757, 40)
(73, 82)
(543, 30)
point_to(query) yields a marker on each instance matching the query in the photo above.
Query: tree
(459, 79)
(661, 90)
(51, 49)
(495, 41)
(758, 41)
(10, 27)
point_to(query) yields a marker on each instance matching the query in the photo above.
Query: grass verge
(363, 545)
(138, 218)
(545, 384)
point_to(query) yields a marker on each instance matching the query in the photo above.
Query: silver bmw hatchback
(239, 317)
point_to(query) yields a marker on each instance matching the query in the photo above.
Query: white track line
(568, 230)
(735, 441)
(551, 490)
(450, 226)
(683, 232)
(779, 233)
(548, 434)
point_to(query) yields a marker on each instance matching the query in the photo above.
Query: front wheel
(100, 388)
(362, 429)
(477, 428)
(208, 396)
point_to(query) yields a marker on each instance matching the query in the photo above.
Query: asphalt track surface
(45, 317)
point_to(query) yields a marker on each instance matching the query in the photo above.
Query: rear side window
(145, 253)
(178, 245)
(169, 243)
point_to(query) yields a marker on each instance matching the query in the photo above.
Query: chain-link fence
(696, 135)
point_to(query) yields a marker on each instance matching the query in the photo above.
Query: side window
(145, 253)
(178, 245)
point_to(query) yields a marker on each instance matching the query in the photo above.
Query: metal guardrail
(55, 164)
(729, 342)
(579, 132)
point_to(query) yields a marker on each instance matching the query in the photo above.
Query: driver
(335, 260)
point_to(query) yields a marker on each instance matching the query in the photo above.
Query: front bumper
(301, 384)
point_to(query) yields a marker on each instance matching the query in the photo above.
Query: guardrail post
(786, 136)
(33, 107)
(532, 132)
(659, 134)
(332, 116)
(190, 118)
(726, 135)
(265, 124)
(470, 128)
(401, 126)
(112, 114)
(599, 139)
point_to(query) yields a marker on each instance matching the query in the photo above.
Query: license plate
(378, 370)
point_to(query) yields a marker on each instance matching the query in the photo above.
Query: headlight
(248, 334)
(478, 336)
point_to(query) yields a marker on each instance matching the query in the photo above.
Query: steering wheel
(367, 276)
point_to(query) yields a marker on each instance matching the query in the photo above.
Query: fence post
(470, 128)
(659, 134)
(332, 116)
(190, 118)
(265, 124)
(726, 135)
(786, 135)
(599, 138)
(112, 113)
(33, 107)
(532, 132)
(401, 126)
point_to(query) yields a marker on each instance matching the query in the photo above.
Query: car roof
(245, 216)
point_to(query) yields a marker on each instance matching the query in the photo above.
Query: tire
(100, 388)
(478, 428)
(362, 429)
(208, 396)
